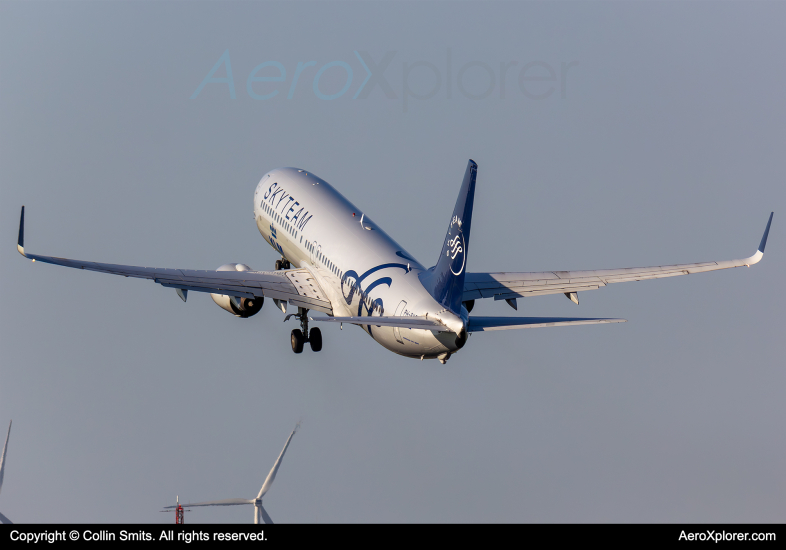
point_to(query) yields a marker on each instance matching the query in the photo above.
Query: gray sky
(664, 145)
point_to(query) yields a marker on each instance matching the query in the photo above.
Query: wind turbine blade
(2, 460)
(265, 515)
(4, 519)
(272, 475)
(225, 502)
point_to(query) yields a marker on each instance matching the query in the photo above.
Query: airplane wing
(296, 286)
(509, 286)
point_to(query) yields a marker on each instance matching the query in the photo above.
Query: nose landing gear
(300, 336)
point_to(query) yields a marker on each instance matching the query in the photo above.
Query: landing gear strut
(300, 336)
(282, 264)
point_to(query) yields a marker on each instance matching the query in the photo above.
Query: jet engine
(240, 307)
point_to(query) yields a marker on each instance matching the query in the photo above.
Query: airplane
(336, 260)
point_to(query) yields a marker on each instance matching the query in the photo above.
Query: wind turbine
(259, 511)
(4, 519)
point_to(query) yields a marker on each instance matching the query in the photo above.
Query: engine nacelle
(241, 307)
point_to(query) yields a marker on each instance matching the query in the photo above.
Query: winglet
(20, 244)
(766, 232)
(760, 251)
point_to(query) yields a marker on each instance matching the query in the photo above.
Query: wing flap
(228, 292)
(247, 284)
(523, 293)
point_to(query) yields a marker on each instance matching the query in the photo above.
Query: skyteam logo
(455, 246)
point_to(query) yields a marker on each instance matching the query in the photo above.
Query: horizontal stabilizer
(399, 322)
(483, 324)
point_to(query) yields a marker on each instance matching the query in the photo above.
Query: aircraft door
(397, 330)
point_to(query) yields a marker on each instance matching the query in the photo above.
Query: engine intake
(241, 307)
(461, 339)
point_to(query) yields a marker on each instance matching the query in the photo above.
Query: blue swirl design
(365, 302)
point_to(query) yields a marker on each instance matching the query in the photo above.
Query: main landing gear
(300, 336)
(282, 264)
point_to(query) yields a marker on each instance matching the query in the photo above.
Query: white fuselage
(361, 269)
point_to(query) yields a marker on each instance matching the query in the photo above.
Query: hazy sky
(655, 135)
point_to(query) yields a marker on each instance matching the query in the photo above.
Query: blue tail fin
(445, 281)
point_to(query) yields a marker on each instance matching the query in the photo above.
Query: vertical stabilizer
(445, 281)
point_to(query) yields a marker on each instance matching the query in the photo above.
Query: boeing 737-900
(337, 261)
